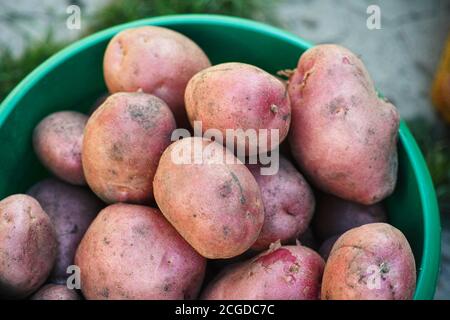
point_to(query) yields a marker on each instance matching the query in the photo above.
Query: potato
(55, 292)
(156, 60)
(334, 216)
(239, 96)
(215, 205)
(343, 136)
(122, 144)
(281, 273)
(132, 252)
(57, 141)
(27, 246)
(71, 209)
(326, 246)
(288, 204)
(373, 261)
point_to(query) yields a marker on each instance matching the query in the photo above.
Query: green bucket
(73, 79)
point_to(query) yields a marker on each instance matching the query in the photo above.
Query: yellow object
(440, 92)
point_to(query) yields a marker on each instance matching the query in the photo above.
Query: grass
(123, 11)
(434, 141)
(15, 68)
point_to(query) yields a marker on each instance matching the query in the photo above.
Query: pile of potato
(150, 228)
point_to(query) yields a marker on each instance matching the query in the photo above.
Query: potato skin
(123, 142)
(215, 206)
(342, 136)
(157, 60)
(27, 246)
(239, 96)
(283, 273)
(132, 252)
(348, 272)
(71, 209)
(57, 141)
(288, 204)
(55, 292)
(334, 216)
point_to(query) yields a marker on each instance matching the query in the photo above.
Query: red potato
(132, 252)
(55, 292)
(57, 141)
(27, 246)
(343, 136)
(156, 60)
(334, 216)
(71, 209)
(123, 142)
(239, 96)
(281, 273)
(288, 204)
(373, 261)
(215, 205)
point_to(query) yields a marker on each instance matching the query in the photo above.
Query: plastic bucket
(73, 79)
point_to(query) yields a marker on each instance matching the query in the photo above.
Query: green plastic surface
(73, 79)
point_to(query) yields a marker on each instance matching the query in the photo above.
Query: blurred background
(404, 50)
